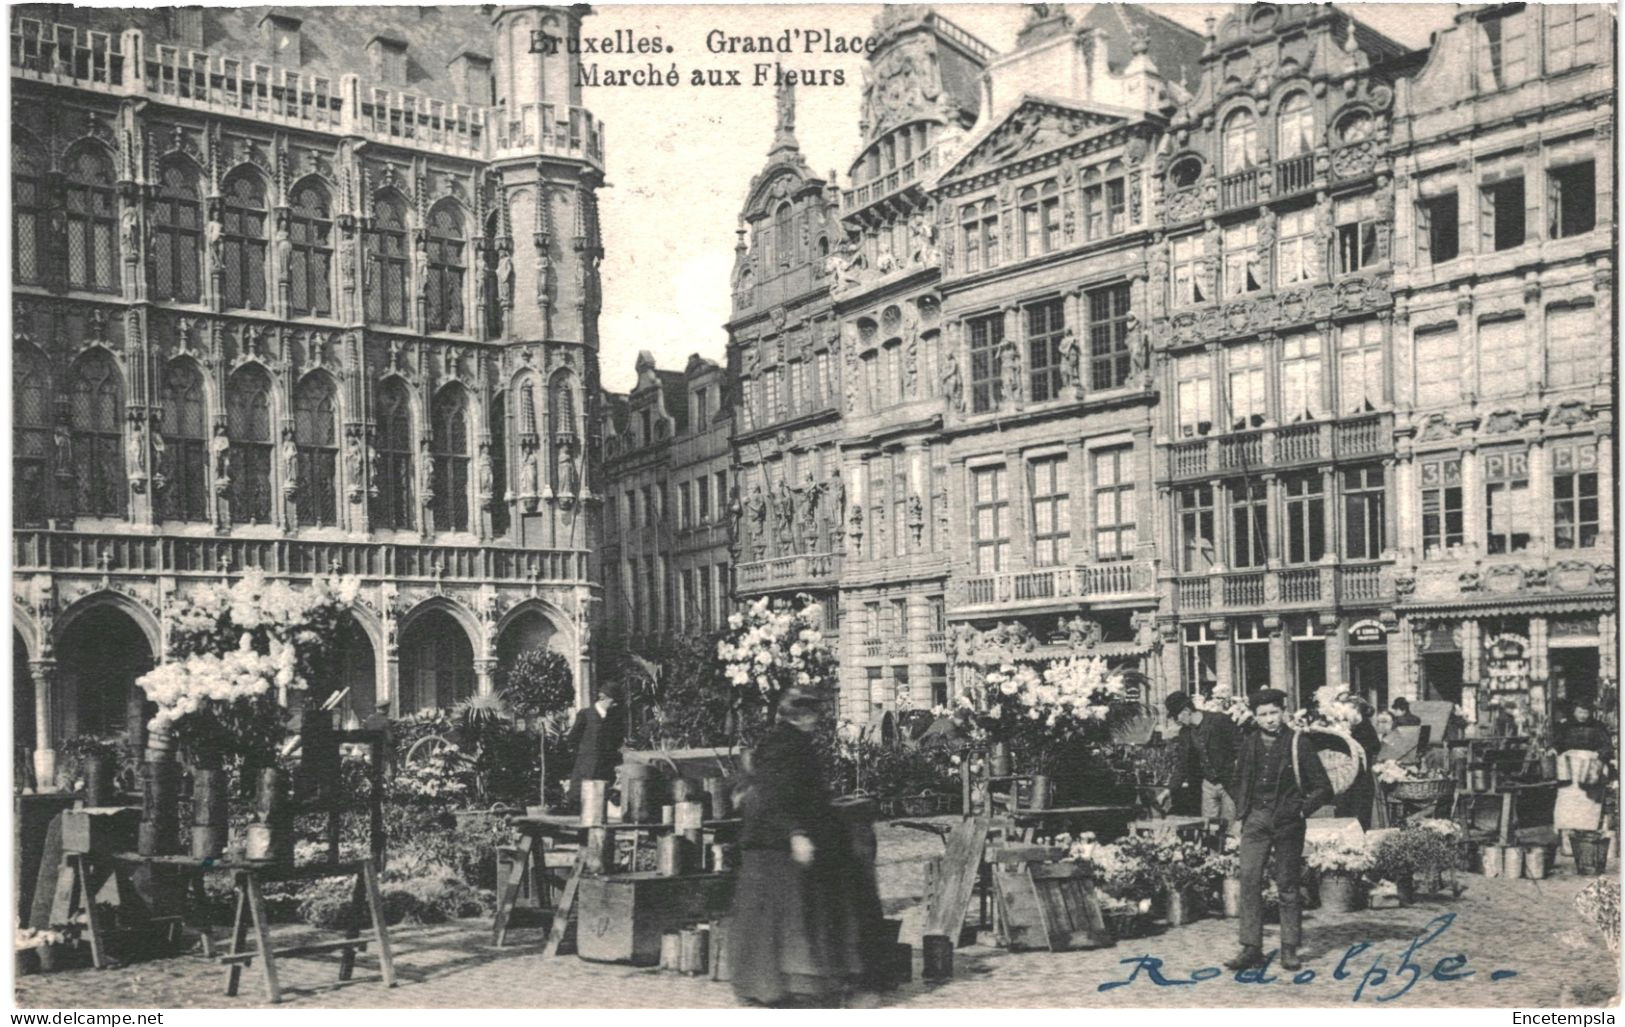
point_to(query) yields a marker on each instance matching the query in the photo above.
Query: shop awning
(1514, 605)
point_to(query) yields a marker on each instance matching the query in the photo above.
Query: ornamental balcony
(801, 570)
(889, 183)
(1051, 588)
(1349, 439)
(1346, 584)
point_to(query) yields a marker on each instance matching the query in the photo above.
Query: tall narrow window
(394, 445)
(1196, 539)
(899, 504)
(1297, 253)
(970, 225)
(446, 269)
(1094, 205)
(990, 519)
(1437, 229)
(499, 467)
(1575, 514)
(450, 420)
(315, 425)
(1249, 523)
(1115, 535)
(249, 425)
(242, 242)
(784, 240)
(1300, 377)
(1572, 355)
(822, 392)
(1243, 272)
(1571, 200)
(186, 445)
(385, 245)
(1031, 225)
(1052, 521)
(1504, 358)
(1116, 203)
(1508, 506)
(1194, 372)
(32, 438)
(1240, 142)
(986, 343)
(1363, 499)
(1500, 215)
(1504, 51)
(97, 410)
(1358, 235)
(1046, 326)
(1305, 518)
(747, 406)
(1571, 36)
(1359, 367)
(990, 233)
(1186, 270)
(798, 388)
(1438, 381)
(1200, 659)
(1109, 360)
(491, 290)
(29, 244)
(1295, 127)
(92, 220)
(1049, 202)
(1249, 400)
(310, 231)
(177, 236)
(1442, 524)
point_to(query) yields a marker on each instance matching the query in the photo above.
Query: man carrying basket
(1278, 782)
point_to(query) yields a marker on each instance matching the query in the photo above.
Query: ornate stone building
(1503, 369)
(305, 290)
(667, 459)
(1271, 319)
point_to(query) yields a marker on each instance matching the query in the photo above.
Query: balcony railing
(904, 175)
(1299, 586)
(785, 571)
(872, 646)
(1363, 436)
(1241, 452)
(36, 550)
(1084, 583)
(1285, 587)
(1360, 584)
(1195, 594)
(1304, 442)
(936, 642)
(1297, 443)
(1244, 590)
(1295, 175)
(1238, 190)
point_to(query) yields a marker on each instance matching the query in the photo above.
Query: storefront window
(1575, 516)
(1252, 658)
(1201, 660)
(1507, 501)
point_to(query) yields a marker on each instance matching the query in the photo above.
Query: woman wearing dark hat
(1279, 781)
(791, 941)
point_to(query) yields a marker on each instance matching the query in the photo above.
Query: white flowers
(772, 648)
(184, 686)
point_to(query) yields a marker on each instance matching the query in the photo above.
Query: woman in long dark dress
(792, 939)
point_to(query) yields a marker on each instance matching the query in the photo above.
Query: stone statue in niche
(784, 513)
(63, 441)
(290, 461)
(284, 254)
(885, 262)
(569, 476)
(487, 476)
(531, 476)
(160, 460)
(916, 516)
(353, 464)
(953, 384)
(922, 242)
(426, 469)
(221, 447)
(1071, 361)
(135, 455)
(736, 514)
(505, 277)
(757, 508)
(213, 235)
(1010, 371)
(811, 491)
(129, 234)
(837, 494)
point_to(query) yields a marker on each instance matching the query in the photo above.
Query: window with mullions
(1571, 36)
(1503, 50)
(1508, 508)
(29, 243)
(385, 245)
(1571, 200)
(1442, 519)
(1249, 524)
(1358, 233)
(185, 496)
(1109, 360)
(499, 467)
(1572, 356)
(990, 519)
(1364, 495)
(1105, 203)
(92, 222)
(32, 437)
(1194, 384)
(1240, 143)
(1046, 326)
(1201, 660)
(899, 504)
(1114, 504)
(1040, 219)
(315, 428)
(986, 383)
(1189, 282)
(242, 242)
(248, 424)
(310, 230)
(393, 506)
(1300, 377)
(981, 230)
(445, 270)
(97, 412)
(177, 236)
(1295, 127)
(1305, 518)
(1297, 251)
(1249, 398)
(1359, 367)
(491, 302)
(450, 419)
(1243, 268)
(1052, 522)
(1196, 528)
(1575, 513)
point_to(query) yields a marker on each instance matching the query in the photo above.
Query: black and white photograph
(815, 506)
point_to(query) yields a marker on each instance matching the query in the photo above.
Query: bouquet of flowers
(1075, 700)
(1122, 870)
(1329, 712)
(1389, 772)
(1339, 857)
(1224, 703)
(1181, 865)
(768, 650)
(1449, 830)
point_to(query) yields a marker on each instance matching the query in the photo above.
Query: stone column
(483, 671)
(1280, 668)
(1219, 630)
(1334, 649)
(46, 722)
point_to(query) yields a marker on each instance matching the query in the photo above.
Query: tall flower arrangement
(1329, 712)
(766, 650)
(234, 655)
(1073, 700)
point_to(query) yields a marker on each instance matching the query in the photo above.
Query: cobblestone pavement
(1526, 927)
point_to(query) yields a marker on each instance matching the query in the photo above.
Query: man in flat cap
(1279, 781)
(1206, 752)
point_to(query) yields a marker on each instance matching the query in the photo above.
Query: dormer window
(186, 26)
(281, 34)
(471, 76)
(387, 57)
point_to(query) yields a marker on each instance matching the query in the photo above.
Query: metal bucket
(939, 958)
(1536, 862)
(1490, 858)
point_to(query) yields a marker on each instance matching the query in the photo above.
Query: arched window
(310, 230)
(92, 210)
(1295, 127)
(186, 445)
(1240, 140)
(499, 463)
(177, 236)
(446, 267)
(561, 407)
(1355, 127)
(315, 431)
(450, 418)
(97, 412)
(242, 242)
(32, 439)
(248, 423)
(29, 243)
(1185, 173)
(783, 234)
(493, 287)
(393, 508)
(385, 243)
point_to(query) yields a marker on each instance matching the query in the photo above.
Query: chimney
(282, 38)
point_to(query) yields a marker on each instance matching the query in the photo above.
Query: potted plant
(541, 688)
(1126, 881)
(1399, 856)
(1340, 865)
(1226, 866)
(1184, 873)
(1439, 851)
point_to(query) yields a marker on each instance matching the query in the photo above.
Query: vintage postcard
(815, 506)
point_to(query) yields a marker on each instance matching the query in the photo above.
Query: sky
(679, 160)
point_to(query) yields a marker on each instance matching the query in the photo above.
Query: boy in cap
(1207, 751)
(1279, 781)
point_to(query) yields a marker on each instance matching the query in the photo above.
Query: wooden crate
(620, 917)
(1048, 905)
(100, 829)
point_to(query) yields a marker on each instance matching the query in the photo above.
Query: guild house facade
(307, 290)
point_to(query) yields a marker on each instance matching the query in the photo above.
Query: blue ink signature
(1403, 976)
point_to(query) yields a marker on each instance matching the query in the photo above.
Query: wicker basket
(1431, 790)
(1341, 767)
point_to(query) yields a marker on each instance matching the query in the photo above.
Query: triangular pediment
(1035, 125)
